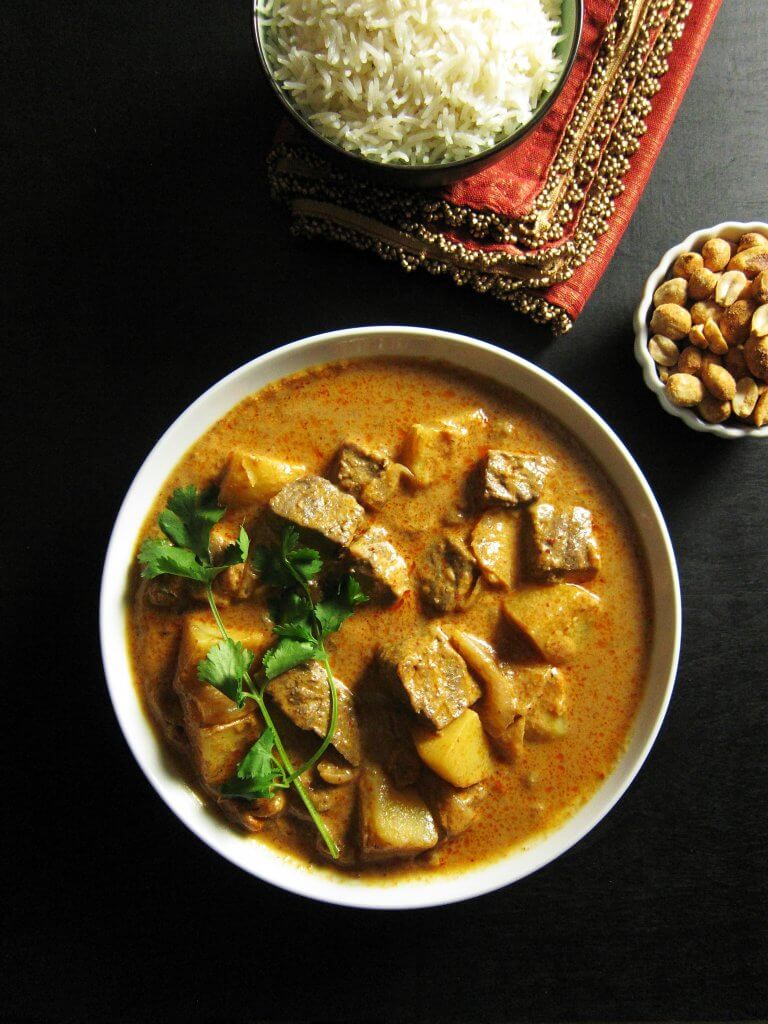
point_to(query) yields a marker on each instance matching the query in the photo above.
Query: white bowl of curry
(408, 623)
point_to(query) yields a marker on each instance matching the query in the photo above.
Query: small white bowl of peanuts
(701, 330)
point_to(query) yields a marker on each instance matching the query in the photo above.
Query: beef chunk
(302, 695)
(431, 676)
(376, 557)
(356, 466)
(454, 809)
(370, 476)
(337, 804)
(447, 575)
(166, 591)
(316, 504)
(510, 479)
(562, 541)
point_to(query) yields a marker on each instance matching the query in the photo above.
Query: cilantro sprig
(301, 623)
(301, 626)
(259, 772)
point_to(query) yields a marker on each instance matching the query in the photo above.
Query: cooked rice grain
(413, 81)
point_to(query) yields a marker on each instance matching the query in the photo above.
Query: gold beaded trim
(534, 306)
(582, 184)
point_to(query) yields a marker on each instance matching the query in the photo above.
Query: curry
(486, 686)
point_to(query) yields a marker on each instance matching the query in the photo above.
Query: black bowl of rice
(423, 92)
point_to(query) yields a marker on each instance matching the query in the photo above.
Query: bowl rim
(460, 352)
(487, 157)
(694, 241)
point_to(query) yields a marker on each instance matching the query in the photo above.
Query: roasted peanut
(760, 412)
(716, 252)
(268, 807)
(714, 410)
(730, 287)
(756, 355)
(675, 290)
(671, 320)
(714, 338)
(718, 381)
(686, 263)
(663, 350)
(735, 322)
(697, 337)
(690, 361)
(705, 310)
(735, 363)
(760, 287)
(745, 399)
(702, 283)
(750, 239)
(751, 261)
(710, 359)
(709, 330)
(685, 390)
(759, 326)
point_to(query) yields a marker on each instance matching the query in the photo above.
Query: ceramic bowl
(431, 175)
(464, 354)
(732, 230)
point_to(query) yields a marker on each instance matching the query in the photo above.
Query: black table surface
(143, 261)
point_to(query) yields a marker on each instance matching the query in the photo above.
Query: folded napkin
(538, 228)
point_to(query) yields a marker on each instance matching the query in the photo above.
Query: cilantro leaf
(226, 666)
(236, 553)
(277, 566)
(334, 612)
(305, 561)
(159, 557)
(287, 653)
(188, 518)
(296, 630)
(290, 607)
(271, 567)
(187, 521)
(257, 773)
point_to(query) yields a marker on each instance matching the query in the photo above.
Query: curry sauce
(304, 420)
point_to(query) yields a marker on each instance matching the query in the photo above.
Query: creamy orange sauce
(304, 418)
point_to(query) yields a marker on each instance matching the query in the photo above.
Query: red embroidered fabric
(538, 228)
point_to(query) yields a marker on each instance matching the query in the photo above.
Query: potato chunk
(202, 703)
(547, 720)
(554, 619)
(393, 822)
(252, 479)
(429, 448)
(459, 753)
(495, 544)
(219, 749)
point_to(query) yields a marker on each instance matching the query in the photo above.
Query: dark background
(143, 260)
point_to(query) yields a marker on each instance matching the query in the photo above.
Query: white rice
(413, 81)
